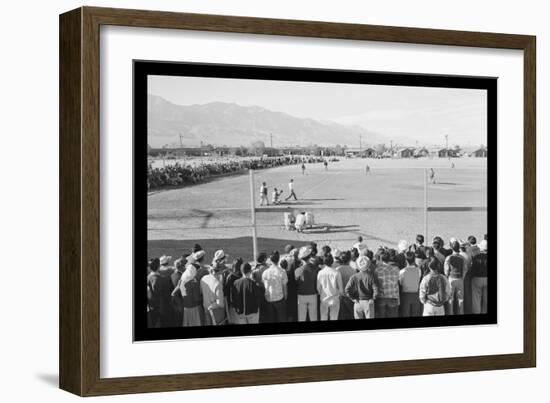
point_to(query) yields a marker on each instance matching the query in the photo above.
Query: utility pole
(271, 140)
(360, 142)
(447, 145)
(391, 146)
(181, 140)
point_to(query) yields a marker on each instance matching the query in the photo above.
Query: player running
(326, 165)
(303, 168)
(291, 190)
(367, 170)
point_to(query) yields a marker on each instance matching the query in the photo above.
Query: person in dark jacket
(478, 274)
(455, 269)
(247, 297)
(229, 278)
(362, 289)
(159, 290)
(306, 285)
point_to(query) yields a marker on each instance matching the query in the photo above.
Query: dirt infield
(383, 206)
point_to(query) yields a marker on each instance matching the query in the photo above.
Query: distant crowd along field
(196, 171)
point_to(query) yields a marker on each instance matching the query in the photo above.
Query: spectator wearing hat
(455, 268)
(434, 291)
(247, 297)
(387, 272)
(191, 295)
(306, 282)
(409, 281)
(330, 288)
(202, 269)
(362, 288)
(212, 294)
(342, 260)
(478, 275)
(159, 293)
(275, 283)
(229, 278)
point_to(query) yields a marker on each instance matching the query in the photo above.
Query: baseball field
(384, 206)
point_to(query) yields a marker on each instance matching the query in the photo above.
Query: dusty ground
(384, 206)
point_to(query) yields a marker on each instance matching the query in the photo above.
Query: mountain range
(229, 124)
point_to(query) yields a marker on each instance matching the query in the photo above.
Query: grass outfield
(384, 206)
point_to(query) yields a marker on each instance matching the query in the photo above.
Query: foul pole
(425, 170)
(253, 212)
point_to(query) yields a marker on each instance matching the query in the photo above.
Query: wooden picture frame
(80, 185)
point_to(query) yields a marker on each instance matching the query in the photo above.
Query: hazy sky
(424, 114)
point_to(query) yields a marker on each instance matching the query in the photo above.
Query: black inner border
(142, 69)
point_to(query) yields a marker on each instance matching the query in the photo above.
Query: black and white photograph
(279, 200)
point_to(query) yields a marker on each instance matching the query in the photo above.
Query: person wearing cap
(330, 288)
(212, 293)
(159, 292)
(478, 274)
(409, 280)
(306, 282)
(455, 268)
(434, 291)
(387, 272)
(275, 283)
(247, 297)
(362, 289)
(430, 256)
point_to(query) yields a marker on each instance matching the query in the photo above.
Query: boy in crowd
(409, 281)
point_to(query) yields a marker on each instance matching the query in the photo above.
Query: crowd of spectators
(310, 284)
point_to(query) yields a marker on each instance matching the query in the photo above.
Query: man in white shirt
(329, 287)
(291, 190)
(300, 222)
(275, 282)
